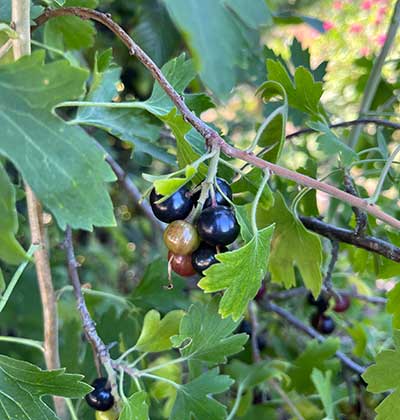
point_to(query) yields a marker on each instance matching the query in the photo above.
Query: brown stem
(89, 326)
(210, 135)
(328, 284)
(361, 217)
(47, 295)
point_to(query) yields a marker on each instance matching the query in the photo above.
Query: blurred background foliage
(341, 38)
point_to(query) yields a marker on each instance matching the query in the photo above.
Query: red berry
(181, 264)
(343, 304)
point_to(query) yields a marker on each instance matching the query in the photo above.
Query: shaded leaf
(23, 385)
(194, 399)
(292, 245)
(10, 249)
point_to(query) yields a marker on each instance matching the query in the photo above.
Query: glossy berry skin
(204, 257)
(181, 238)
(219, 199)
(343, 304)
(321, 303)
(100, 398)
(218, 225)
(322, 323)
(176, 207)
(245, 327)
(181, 264)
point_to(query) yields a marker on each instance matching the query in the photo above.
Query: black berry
(100, 398)
(218, 225)
(322, 323)
(176, 207)
(245, 327)
(322, 303)
(219, 199)
(204, 257)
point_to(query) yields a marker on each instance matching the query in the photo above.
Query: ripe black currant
(322, 323)
(343, 304)
(218, 225)
(204, 257)
(176, 207)
(100, 398)
(219, 199)
(321, 303)
(181, 238)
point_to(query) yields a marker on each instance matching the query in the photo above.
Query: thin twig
(209, 134)
(328, 285)
(368, 243)
(99, 348)
(133, 191)
(283, 313)
(301, 291)
(361, 217)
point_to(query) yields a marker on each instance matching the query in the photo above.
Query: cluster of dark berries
(100, 398)
(193, 247)
(319, 320)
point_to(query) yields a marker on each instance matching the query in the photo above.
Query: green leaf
(162, 390)
(167, 186)
(136, 408)
(392, 306)
(384, 376)
(132, 125)
(151, 291)
(323, 385)
(2, 282)
(316, 355)
(156, 333)
(272, 131)
(23, 385)
(248, 376)
(292, 245)
(239, 273)
(194, 399)
(10, 250)
(204, 336)
(250, 183)
(303, 92)
(358, 334)
(331, 145)
(221, 35)
(62, 164)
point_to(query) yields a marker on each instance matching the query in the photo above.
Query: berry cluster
(319, 320)
(193, 247)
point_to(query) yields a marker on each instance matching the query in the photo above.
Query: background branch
(368, 243)
(295, 322)
(210, 135)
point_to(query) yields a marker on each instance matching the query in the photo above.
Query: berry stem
(256, 201)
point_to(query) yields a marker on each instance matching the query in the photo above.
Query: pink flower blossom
(328, 25)
(364, 51)
(381, 39)
(356, 28)
(337, 5)
(366, 4)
